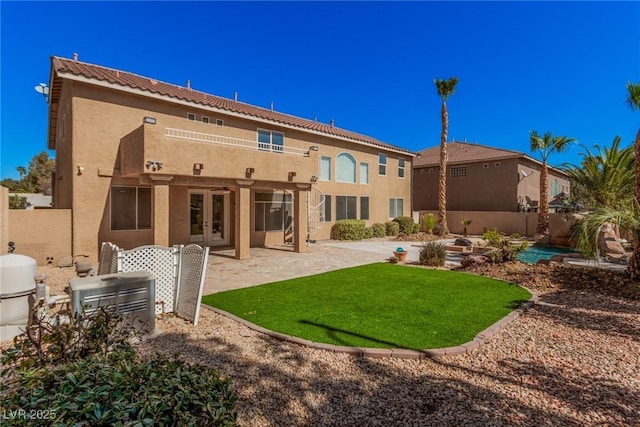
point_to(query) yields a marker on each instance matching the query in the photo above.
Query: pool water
(535, 253)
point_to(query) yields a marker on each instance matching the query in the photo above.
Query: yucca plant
(433, 254)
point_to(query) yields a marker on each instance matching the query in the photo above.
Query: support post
(300, 215)
(243, 223)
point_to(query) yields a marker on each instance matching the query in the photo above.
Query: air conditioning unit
(132, 294)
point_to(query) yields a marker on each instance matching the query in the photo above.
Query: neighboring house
(35, 200)
(481, 178)
(141, 162)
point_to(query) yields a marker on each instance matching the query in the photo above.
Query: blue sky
(546, 66)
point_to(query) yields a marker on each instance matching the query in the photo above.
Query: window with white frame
(400, 168)
(130, 208)
(364, 173)
(325, 168)
(272, 211)
(345, 168)
(346, 207)
(270, 140)
(219, 123)
(396, 207)
(364, 208)
(457, 171)
(205, 120)
(191, 117)
(382, 164)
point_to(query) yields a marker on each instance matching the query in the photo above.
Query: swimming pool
(535, 253)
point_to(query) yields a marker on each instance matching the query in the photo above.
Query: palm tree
(633, 99)
(546, 145)
(22, 171)
(586, 232)
(605, 178)
(445, 89)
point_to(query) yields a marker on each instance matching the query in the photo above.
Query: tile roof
(61, 66)
(468, 152)
(462, 152)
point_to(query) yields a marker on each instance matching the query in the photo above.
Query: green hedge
(405, 223)
(348, 229)
(392, 228)
(379, 230)
(368, 233)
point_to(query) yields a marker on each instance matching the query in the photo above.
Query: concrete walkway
(266, 265)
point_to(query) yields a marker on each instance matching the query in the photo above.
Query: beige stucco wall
(41, 233)
(523, 223)
(491, 188)
(4, 219)
(111, 144)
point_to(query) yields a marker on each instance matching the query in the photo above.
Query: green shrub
(433, 254)
(416, 229)
(429, 221)
(379, 230)
(87, 372)
(494, 237)
(348, 229)
(368, 233)
(507, 249)
(405, 223)
(392, 228)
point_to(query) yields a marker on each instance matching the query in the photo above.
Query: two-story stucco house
(140, 161)
(481, 178)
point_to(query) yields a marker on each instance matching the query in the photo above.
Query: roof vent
(271, 105)
(75, 56)
(332, 123)
(189, 85)
(235, 96)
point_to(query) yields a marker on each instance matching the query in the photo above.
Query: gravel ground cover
(571, 360)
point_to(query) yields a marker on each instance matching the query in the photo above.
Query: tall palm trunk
(633, 268)
(442, 184)
(543, 210)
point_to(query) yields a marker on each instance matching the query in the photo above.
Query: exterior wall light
(154, 165)
(249, 172)
(80, 169)
(314, 179)
(149, 120)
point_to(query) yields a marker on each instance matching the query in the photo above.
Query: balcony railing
(234, 142)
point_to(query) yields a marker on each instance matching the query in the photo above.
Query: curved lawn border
(398, 353)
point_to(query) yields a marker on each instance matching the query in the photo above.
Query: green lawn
(377, 305)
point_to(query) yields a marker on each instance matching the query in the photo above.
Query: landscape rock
(474, 261)
(608, 241)
(463, 242)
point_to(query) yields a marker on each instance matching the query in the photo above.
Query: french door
(209, 213)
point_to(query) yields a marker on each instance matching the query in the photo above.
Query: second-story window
(325, 168)
(191, 117)
(458, 171)
(382, 164)
(270, 141)
(401, 168)
(345, 168)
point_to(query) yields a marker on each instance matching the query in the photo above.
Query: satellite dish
(43, 89)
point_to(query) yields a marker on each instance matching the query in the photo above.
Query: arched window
(345, 168)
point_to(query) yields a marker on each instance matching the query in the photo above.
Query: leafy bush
(494, 237)
(416, 229)
(429, 221)
(506, 249)
(368, 233)
(405, 223)
(379, 230)
(87, 372)
(348, 229)
(433, 254)
(392, 228)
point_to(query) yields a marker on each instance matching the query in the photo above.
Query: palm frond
(633, 95)
(446, 87)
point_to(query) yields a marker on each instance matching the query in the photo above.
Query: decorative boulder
(462, 242)
(473, 261)
(608, 241)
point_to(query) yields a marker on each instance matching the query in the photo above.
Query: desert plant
(465, 222)
(392, 228)
(416, 229)
(393, 260)
(348, 229)
(507, 249)
(494, 237)
(87, 372)
(429, 221)
(433, 254)
(440, 230)
(405, 223)
(379, 230)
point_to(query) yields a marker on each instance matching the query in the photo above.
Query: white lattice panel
(108, 259)
(159, 261)
(192, 268)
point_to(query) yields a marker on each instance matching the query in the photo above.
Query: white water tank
(17, 293)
